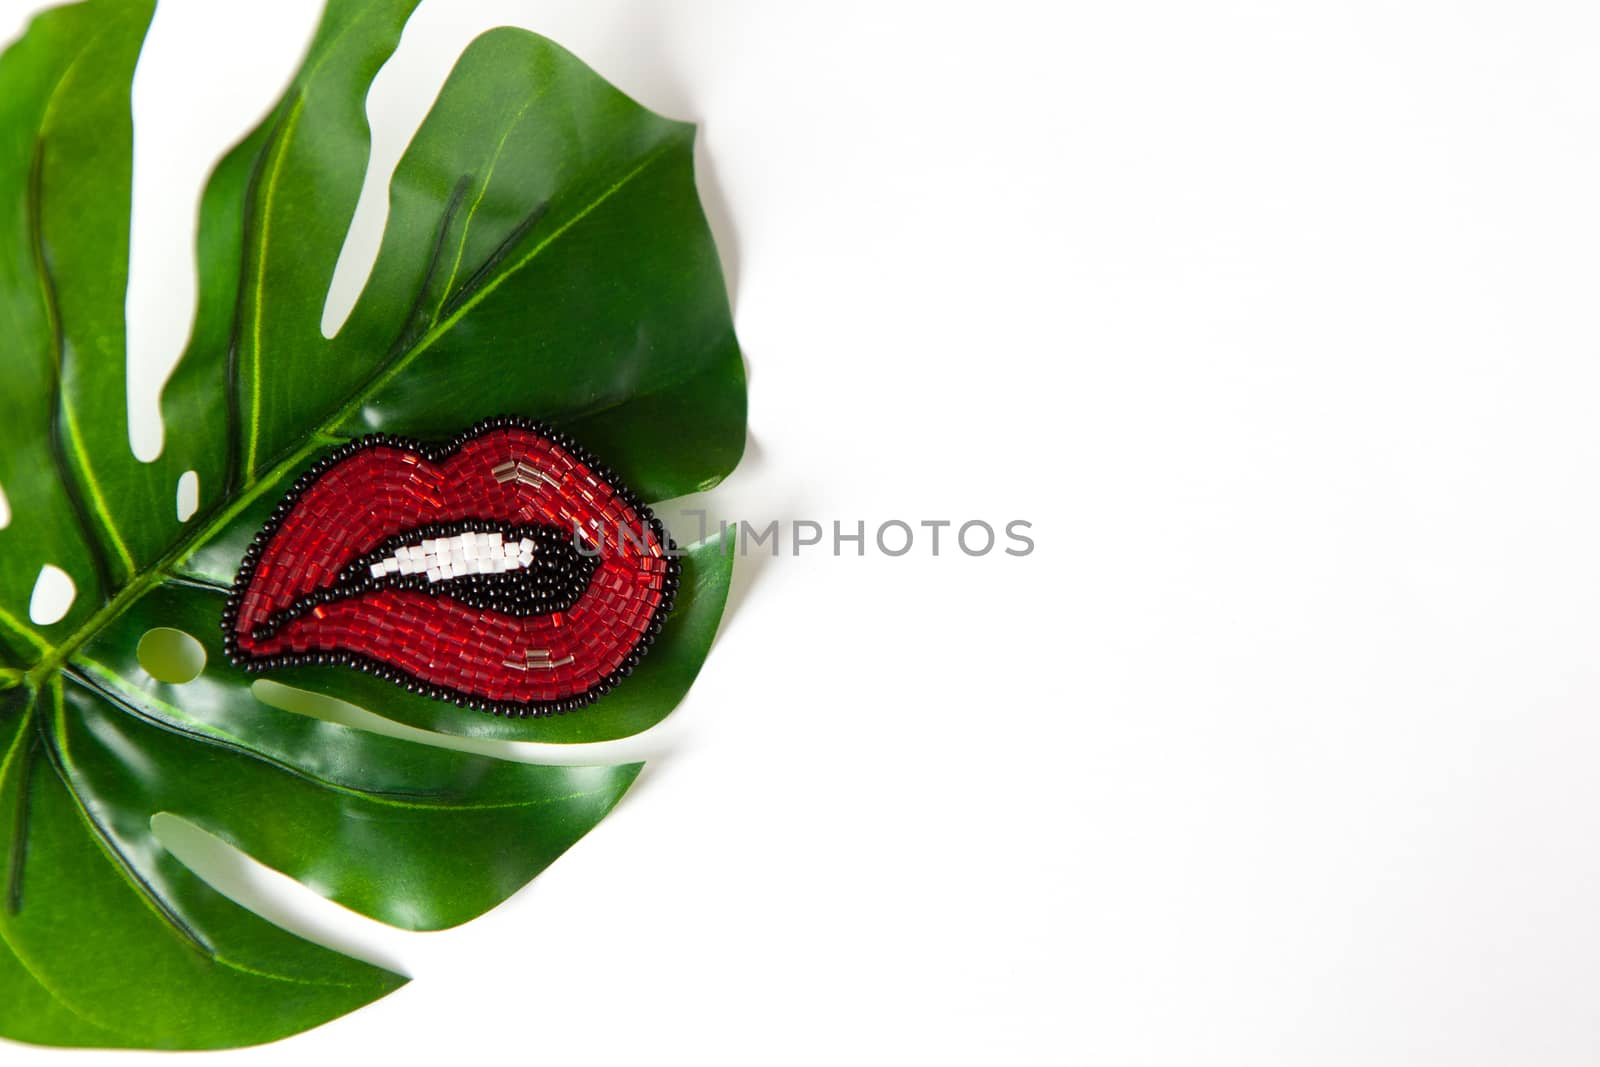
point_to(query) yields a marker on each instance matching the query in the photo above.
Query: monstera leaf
(545, 256)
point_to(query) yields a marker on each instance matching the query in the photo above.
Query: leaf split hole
(342, 713)
(53, 594)
(5, 509)
(277, 898)
(645, 746)
(171, 656)
(188, 495)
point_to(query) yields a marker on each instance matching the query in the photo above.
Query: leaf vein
(17, 847)
(55, 746)
(63, 406)
(105, 684)
(471, 301)
(280, 149)
(472, 212)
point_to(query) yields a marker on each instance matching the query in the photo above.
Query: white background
(1278, 321)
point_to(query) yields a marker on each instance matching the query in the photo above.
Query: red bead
(359, 504)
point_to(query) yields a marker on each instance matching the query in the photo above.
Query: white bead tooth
(470, 549)
(435, 574)
(391, 565)
(377, 570)
(526, 545)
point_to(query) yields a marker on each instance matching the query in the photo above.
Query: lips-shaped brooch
(505, 570)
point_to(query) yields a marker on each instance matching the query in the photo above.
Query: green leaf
(109, 941)
(545, 255)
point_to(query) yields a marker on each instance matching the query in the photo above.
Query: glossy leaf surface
(545, 255)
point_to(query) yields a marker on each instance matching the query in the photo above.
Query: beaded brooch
(505, 570)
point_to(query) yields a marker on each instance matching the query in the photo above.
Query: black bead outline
(438, 452)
